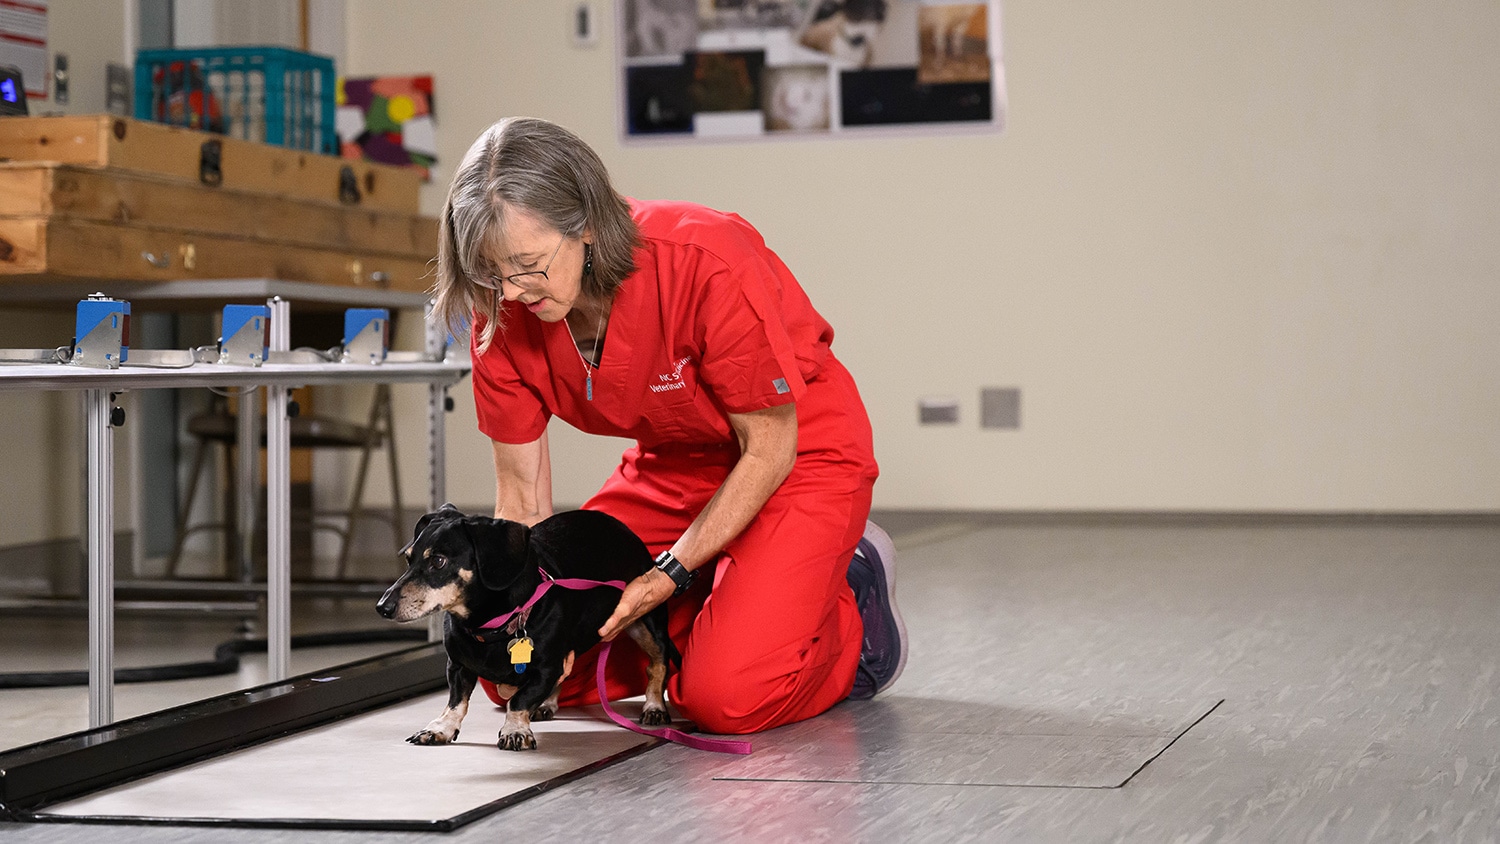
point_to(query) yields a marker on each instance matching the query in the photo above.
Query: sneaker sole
(886, 549)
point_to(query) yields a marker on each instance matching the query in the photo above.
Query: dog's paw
(517, 741)
(654, 717)
(432, 737)
(543, 712)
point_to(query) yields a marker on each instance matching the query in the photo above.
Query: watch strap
(669, 566)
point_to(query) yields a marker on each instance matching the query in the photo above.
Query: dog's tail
(674, 657)
(656, 624)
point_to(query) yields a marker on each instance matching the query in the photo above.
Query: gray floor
(1357, 661)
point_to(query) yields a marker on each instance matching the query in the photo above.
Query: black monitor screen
(12, 91)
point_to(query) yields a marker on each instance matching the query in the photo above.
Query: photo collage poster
(742, 68)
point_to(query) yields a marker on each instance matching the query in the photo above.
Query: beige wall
(42, 439)
(92, 34)
(1236, 257)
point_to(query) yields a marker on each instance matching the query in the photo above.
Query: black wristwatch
(668, 565)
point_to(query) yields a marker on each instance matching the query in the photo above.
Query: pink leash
(714, 745)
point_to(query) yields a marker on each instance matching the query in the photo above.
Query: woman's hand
(641, 596)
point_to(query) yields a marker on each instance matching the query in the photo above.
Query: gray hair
(538, 166)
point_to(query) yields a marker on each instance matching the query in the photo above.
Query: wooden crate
(40, 248)
(139, 146)
(69, 192)
(119, 212)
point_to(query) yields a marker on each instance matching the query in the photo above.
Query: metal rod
(101, 544)
(59, 377)
(278, 509)
(435, 344)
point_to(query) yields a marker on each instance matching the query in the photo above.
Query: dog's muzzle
(388, 602)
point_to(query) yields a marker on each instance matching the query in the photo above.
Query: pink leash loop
(698, 743)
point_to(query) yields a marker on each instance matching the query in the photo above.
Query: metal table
(99, 386)
(211, 294)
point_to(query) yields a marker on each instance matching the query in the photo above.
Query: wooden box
(138, 146)
(107, 198)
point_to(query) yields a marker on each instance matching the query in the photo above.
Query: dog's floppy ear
(447, 511)
(501, 549)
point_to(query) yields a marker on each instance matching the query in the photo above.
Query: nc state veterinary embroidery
(671, 380)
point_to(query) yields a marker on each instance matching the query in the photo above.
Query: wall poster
(388, 119)
(741, 68)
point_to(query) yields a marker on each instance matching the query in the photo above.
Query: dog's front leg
(444, 728)
(515, 733)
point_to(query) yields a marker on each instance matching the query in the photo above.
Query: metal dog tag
(520, 653)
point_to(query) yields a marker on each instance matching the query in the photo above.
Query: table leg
(101, 545)
(436, 346)
(278, 534)
(278, 508)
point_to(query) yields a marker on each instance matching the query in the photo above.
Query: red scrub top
(711, 322)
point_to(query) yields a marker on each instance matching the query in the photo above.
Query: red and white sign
(23, 42)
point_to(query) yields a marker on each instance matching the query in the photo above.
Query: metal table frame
(99, 386)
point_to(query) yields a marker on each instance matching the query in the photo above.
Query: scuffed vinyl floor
(1356, 660)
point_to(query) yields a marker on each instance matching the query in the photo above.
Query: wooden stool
(217, 426)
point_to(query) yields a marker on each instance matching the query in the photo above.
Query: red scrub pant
(769, 632)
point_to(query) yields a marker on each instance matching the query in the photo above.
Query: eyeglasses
(493, 282)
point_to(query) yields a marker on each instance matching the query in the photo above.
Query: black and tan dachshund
(477, 569)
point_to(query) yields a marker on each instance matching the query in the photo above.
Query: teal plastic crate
(270, 94)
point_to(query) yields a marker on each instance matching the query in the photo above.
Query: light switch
(60, 78)
(585, 33)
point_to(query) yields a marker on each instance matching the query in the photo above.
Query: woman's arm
(523, 481)
(768, 450)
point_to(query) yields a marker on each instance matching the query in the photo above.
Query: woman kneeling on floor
(675, 325)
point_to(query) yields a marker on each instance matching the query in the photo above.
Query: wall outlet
(1000, 407)
(937, 410)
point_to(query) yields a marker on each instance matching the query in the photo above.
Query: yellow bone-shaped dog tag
(520, 653)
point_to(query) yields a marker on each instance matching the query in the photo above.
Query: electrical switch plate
(1000, 407)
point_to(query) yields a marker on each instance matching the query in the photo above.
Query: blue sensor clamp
(245, 339)
(367, 335)
(101, 334)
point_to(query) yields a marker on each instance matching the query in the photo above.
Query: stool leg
(187, 510)
(390, 451)
(231, 511)
(371, 438)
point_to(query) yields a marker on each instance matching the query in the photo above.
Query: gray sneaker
(872, 576)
